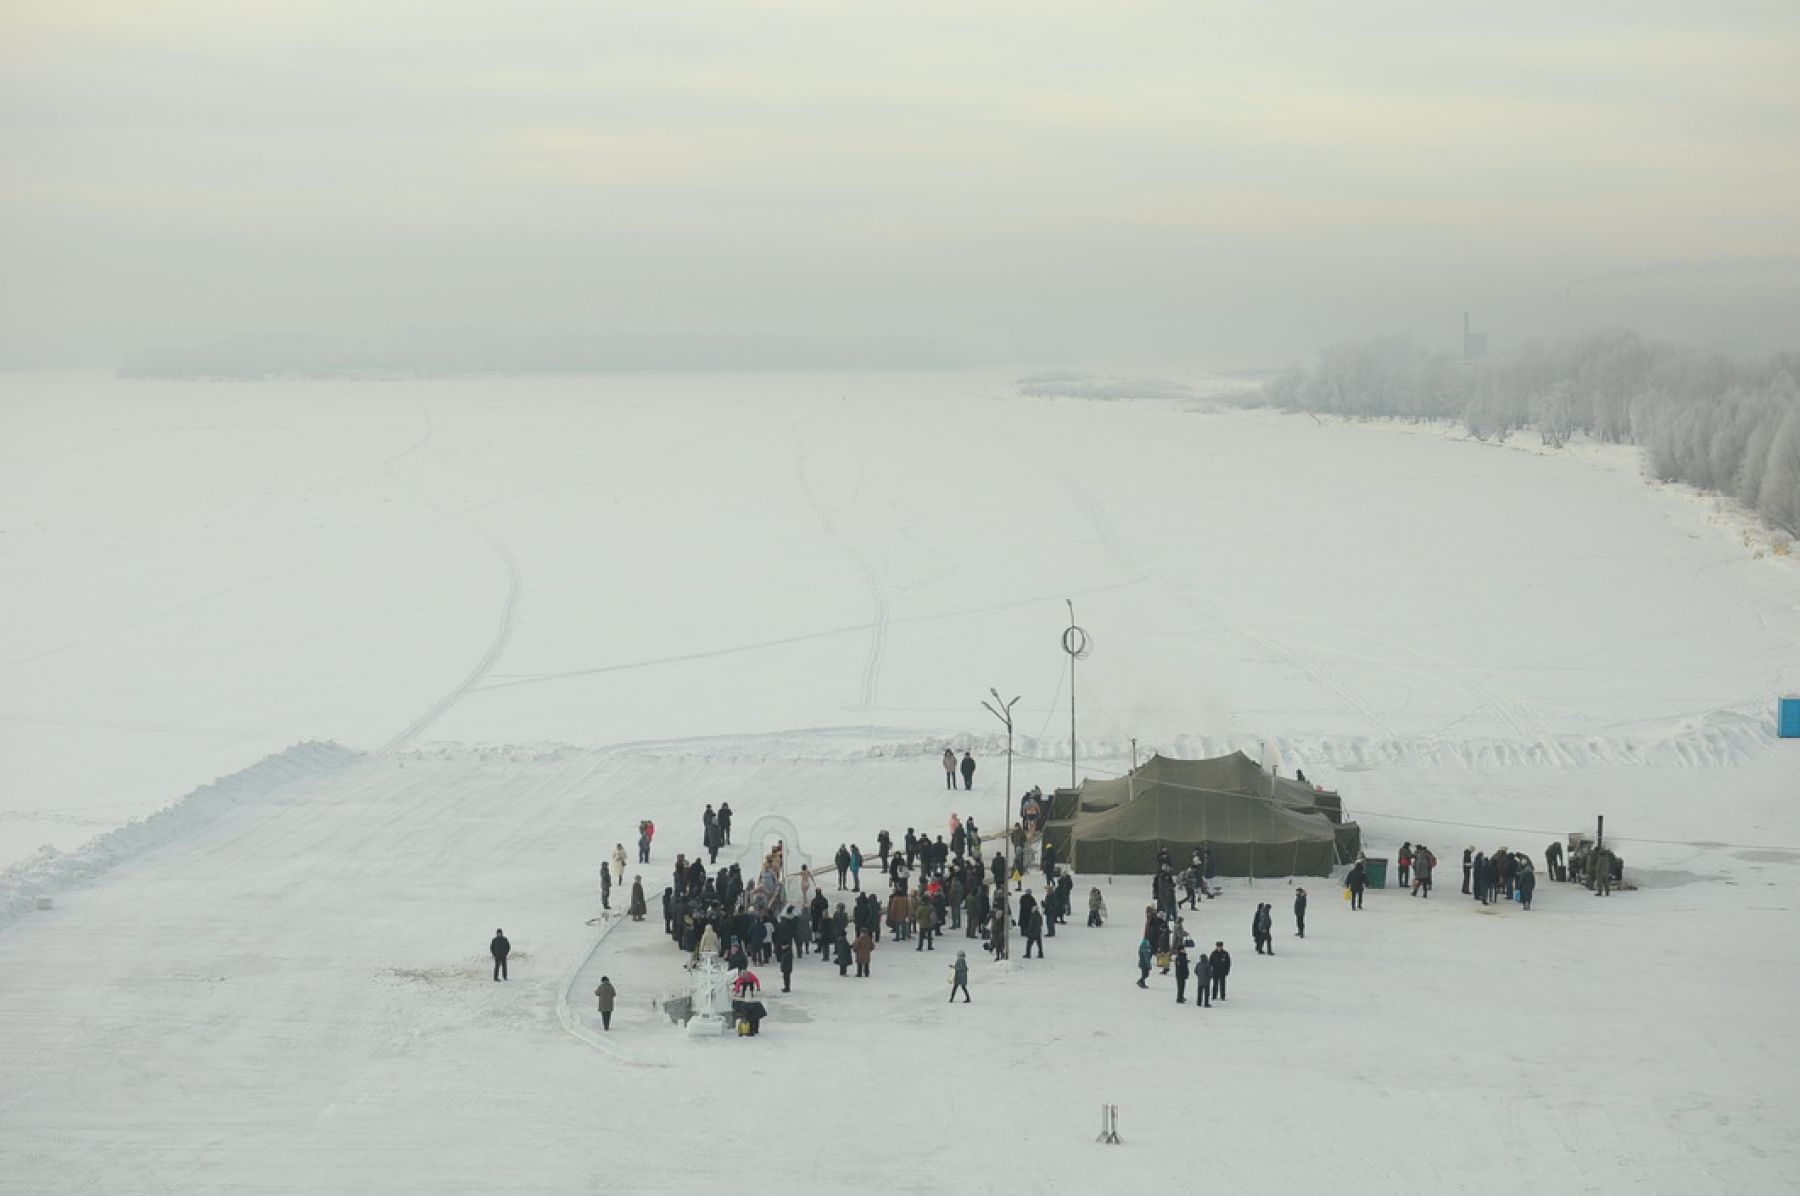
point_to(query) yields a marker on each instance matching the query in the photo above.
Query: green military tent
(1248, 835)
(1253, 823)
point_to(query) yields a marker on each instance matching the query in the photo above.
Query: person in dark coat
(842, 951)
(1553, 860)
(1202, 979)
(784, 957)
(1181, 976)
(842, 859)
(998, 868)
(1031, 925)
(605, 885)
(968, 771)
(1299, 913)
(1527, 885)
(959, 978)
(714, 840)
(884, 844)
(637, 909)
(1220, 961)
(1049, 862)
(725, 820)
(499, 949)
(1468, 867)
(1480, 875)
(1356, 882)
(1143, 962)
(606, 994)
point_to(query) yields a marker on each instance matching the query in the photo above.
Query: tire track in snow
(508, 610)
(1095, 515)
(878, 626)
(1521, 717)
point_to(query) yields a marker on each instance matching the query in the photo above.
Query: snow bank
(51, 871)
(1720, 739)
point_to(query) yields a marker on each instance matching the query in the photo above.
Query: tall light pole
(1002, 710)
(1076, 643)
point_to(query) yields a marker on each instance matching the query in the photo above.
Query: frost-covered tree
(1715, 422)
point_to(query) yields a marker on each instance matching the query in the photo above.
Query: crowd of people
(937, 884)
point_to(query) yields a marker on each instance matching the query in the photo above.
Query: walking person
(959, 977)
(784, 958)
(607, 995)
(1299, 913)
(949, 771)
(968, 771)
(1356, 882)
(500, 948)
(1423, 863)
(1220, 961)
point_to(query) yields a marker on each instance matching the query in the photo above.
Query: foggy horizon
(795, 185)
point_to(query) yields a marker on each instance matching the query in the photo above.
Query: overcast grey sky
(1224, 184)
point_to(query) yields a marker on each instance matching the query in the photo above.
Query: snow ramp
(50, 871)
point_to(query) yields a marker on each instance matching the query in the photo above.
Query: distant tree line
(1724, 424)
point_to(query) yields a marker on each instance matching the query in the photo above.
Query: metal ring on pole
(1076, 642)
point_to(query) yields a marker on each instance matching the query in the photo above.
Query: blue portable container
(1790, 718)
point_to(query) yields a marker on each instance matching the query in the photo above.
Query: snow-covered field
(532, 612)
